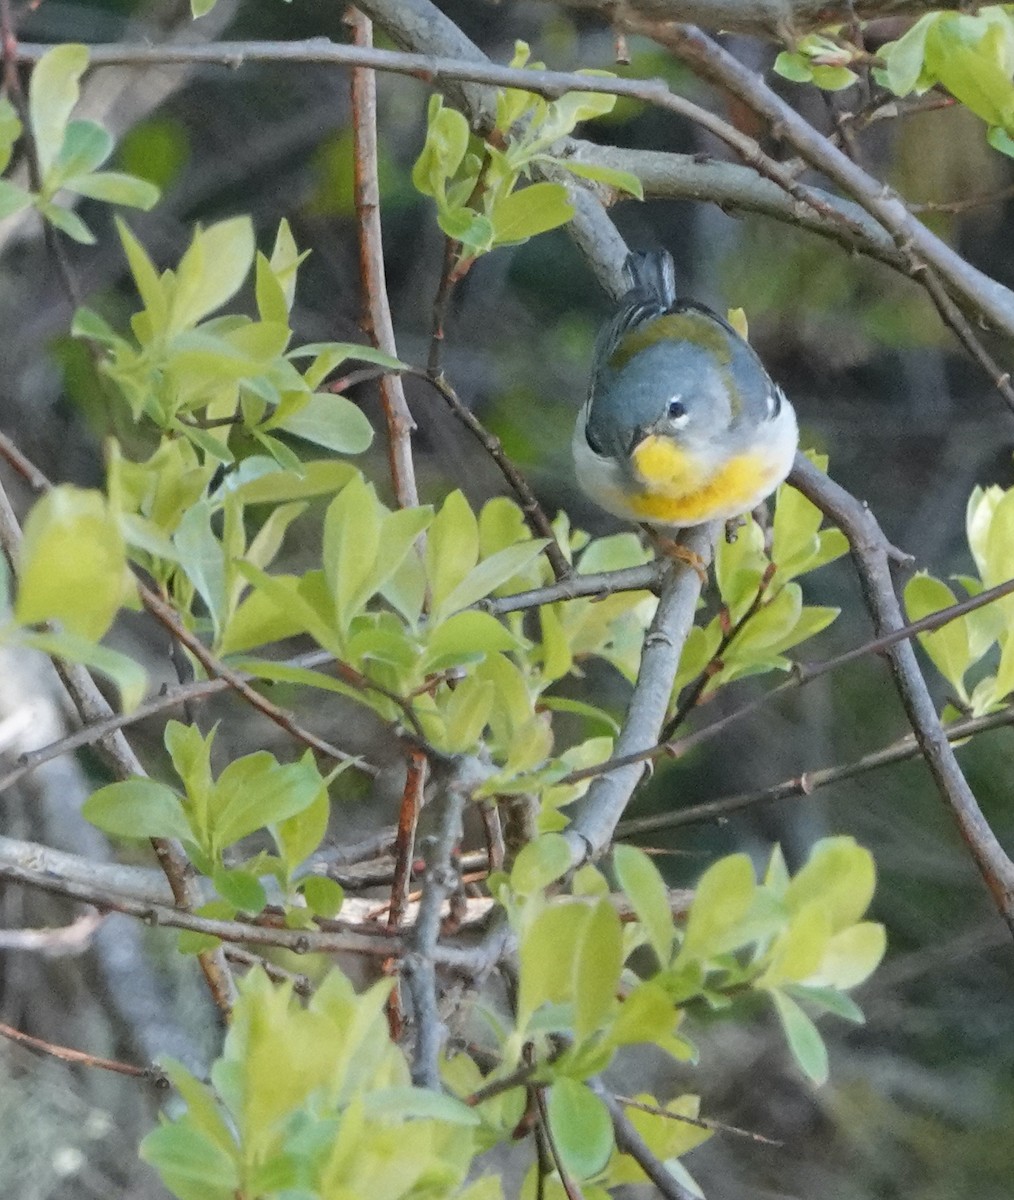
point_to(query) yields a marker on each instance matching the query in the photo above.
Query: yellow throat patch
(677, 489)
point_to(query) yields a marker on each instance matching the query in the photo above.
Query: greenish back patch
(674, 327)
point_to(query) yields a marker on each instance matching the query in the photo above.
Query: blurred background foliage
(922, 1098)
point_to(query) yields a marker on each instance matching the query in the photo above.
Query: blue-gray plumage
(675, 371)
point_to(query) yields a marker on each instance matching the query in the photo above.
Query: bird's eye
(676, 409)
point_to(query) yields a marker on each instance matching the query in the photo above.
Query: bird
(682, 425)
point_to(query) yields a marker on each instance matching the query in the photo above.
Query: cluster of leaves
(474, 181)
(195, 375)
(971, 55)
(69, 153)
(763, 614)
(212, 815)
(985, 634)
(316, 1101)
(821, 59)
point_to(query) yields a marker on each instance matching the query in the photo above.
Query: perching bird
(682, 424)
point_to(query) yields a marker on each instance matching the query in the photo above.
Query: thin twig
(66, 1054)
(537, 520)
(629, 1141)
(404, 850)
(698, 1122)
(810, 781)
(184, 694)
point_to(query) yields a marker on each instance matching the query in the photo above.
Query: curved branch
(870, 554)
(920, 247)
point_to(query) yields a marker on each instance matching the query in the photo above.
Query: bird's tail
(652, 275)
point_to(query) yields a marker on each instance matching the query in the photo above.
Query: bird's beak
(638, 435)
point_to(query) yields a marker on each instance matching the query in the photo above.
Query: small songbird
(682, 424)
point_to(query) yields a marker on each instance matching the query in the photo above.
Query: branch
(270, 933)
(915, 242)
(439, 883)
(735, 188)
(600, 583)
(597, 813)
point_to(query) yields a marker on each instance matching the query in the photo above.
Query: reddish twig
(377, 310)
(66, 1054)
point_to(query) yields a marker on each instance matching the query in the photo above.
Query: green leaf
(622, 181)
(643, 885)
(72, 563)
(465, 637)
(331, 421)
(793, 66)
(840, 875)
(490, 574)
(150, 286)
(804, 1038)
(447, 137)
(324, 897)
(904, 58)
(211, 271)
(948, 646)
(351, 544)
(52, 94)
(114, 187)
(466, 713)
(191, 1165)
(827, 999)
(137, 808)
(722, 899)
(256, 791)
(299, 835)
(530, 211)
(10, 131)
(833, 79)
(852, 955)
(12, 198)
(202, 558)
(86, 146)
(241, 888)
(474, 230)
(127, 676)
(581, 1127)
(540, 863)
(67, 222)
(597, 966)
(452, 549)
